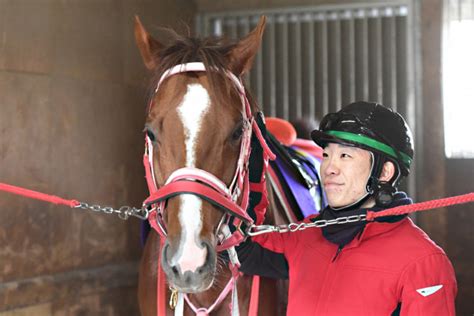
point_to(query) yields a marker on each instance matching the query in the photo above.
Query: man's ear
(388, 171)
(148, 46)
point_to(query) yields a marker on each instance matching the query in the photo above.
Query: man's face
(344, 172)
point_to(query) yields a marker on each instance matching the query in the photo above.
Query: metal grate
(459, 10)
(458, 66)
(314, 60)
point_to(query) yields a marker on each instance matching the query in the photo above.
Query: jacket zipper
(337, 253)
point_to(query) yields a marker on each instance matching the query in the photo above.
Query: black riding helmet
(372, 127)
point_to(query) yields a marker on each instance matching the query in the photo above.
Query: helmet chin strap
(383, 191)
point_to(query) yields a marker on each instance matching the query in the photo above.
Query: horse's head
(195, 120)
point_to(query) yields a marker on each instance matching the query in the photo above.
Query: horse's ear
(148, 46)
(242, 55)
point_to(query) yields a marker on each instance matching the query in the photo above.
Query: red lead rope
(399, 210)
(37, 195)
(422, 206)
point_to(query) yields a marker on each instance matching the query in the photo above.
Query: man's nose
(331, 166)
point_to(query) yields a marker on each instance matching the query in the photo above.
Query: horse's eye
(237, 133)
(150, 134)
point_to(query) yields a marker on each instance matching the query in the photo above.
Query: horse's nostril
(165, 253)
(211, 253)
(175, 270)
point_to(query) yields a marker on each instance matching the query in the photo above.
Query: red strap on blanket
(261, 208)
(268, 153)
(37, 195)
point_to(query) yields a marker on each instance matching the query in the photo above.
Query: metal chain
(255, 230)
(123, 212)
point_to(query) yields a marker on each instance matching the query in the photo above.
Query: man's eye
(346, 156)
(325, 155)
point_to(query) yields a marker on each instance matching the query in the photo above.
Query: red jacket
(389, 264)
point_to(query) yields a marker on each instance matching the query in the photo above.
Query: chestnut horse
(195, 121)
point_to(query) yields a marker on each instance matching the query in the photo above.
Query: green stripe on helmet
(364, 140)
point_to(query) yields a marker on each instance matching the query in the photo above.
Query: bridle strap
(230, 286)
(150, 177)
(188, 173)
(253, 305)
(161, 285)
(201, 190)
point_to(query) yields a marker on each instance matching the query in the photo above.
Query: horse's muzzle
(189, 281)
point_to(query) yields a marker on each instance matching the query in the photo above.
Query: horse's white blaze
(191, 253)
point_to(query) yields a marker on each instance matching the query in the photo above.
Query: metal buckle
(173, 298)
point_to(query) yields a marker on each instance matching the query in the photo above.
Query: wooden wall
(72, 110)
(451, 227)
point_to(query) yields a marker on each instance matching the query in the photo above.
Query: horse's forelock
(211, 51)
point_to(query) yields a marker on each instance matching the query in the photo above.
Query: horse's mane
(213, 52)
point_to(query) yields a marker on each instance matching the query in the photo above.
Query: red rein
(422, 206)
(38, 196)
(399, 210)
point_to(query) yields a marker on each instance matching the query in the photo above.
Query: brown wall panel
(87, 41)
(460, 236)
(72, 108)
(432, 171)
(25, 38)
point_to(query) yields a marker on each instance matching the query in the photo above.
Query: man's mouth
(332, 185)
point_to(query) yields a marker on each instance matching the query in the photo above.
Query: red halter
(208, 187)
(200, 182)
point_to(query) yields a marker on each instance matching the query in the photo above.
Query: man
(385, 267)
